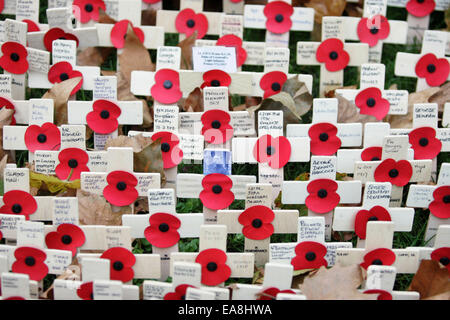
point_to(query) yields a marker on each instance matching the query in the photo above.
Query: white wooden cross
(347, 54)
(323, 170)
(255, 18)
(235, 7)
(395, 149)
(434, 42)
(271, 141)
(379, 236)
(23, 10)
(259, 196)
(15, 32)
(421, 196)
(17, 285)
(376, 194)
(163, 201)
(105, 88)
(441, 240)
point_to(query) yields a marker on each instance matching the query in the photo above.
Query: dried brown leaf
(93, 56)
(337, 283)
(186, 51)
(441, 296)
(431, 279)
(332, 93)
(441, 97)
(326, 8)
(348, 112)
(136, 142)
(194, 102)
(95, 210)
(299, 92)
(148, 17)
(150, 160)
(60, 93)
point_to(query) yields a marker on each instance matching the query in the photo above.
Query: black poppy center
(444, 260)
(420, 1)
(66, 239)
(30, 261)
(121, 186)
(183, 297)
(62, 38)
(323, 136)
(393, 173)
(165, 147)
(215, 124)
(163, 227)
(322, 193)
(167, 84)
(423, 142)
(212, 266)
(276, 86)
(372, 218)
(73, 163)
(190, 23)
(92, 296)
(89, 7)
(257, 223)
(310, 256)
(63, 76)
(118, 265)
(270, 150)
(377, 262)
(217, 189)
(374, 30)
(371, 102)
(333, 55)
(14, 57)
(279, 18)
(375, 159)
(446, 199)
(16, 208)
(42, 138)
(215, 83)
(431, 68)
(104, 114)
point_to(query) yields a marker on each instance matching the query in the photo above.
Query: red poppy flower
(443, 256)
(57, 34)
(275, 151)
(103, 117)
(278, 14)
(19, 202)
(188, 22)
(396, 172)
(369, 101)
(434, 70)
(257, 222)
(324, 141)
(271, 293)
(32, 26)
(440, 206)
(216, 126)
(171, 153)
(214, 269)
(162, 232)
(370, 30)
(377, 213)
(309, 255)
(14, 58)
(45, 137)
(4, 102)
(322, 196)
(380, 256)
(382, 294)
(63, 71)
(1, 235)
(14, 298)
(372, 154)
(216, 193)
(167, 86)
(66, 237)
(87, 10)
(152, 1)
(119, 33)
(2, 5)
(424, 143)
(216, 78)
(420, 8)
(332, 53)
(272, 83)
(231, 40)
(122, 261)
(72, 161)
(179, 294)
(86, 291)
(120, 190)
(31, 262)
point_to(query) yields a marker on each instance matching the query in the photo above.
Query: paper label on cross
(15, 285)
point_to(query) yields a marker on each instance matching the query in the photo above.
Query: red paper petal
(271, 293)
(306, 248)
(37, 271)
(363, 216)
(171, 153)
(231, 40)
(215, 135)
(4, 102)
(372, 154)
(366, 25)
(322, 195)
(383, 255)
(439, 72)
(159, 238)
(442, 255)
(118, 197)
(275, 151)
(222, 271)
(384, 171)
(102, 125)
(321, 146)
(25, 200)
(278, 15)
(216, 78)
(170, 94)
(220, 200)
(424, 143)
(83, 13)
(32, 26)
(197, 22)
(370, 102)
(420, 9)
(55, 34)
(119, 32)
(48, 132)
(341, 56)
(382, 294)
(127, 260)
(86, 290)
(440, 206)
(20, 64)
(63, 169)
